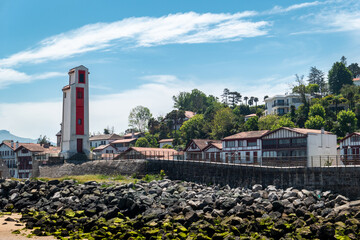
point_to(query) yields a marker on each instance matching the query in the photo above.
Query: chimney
(322, 130)
(132, 134)
(17, 144)
(12, 144)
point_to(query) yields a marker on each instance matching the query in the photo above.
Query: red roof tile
(246, 135)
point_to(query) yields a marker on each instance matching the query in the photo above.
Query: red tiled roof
(105, 137)
(249, 134)
(130, 134)
(202, 143)
(250, 115)
(217, 145)
(351, 134)
(166, 140)
(189, 114)
(356, 79)
(101, 147)
(32, 147)
(303, 131)
(157, 150)
(124, 140)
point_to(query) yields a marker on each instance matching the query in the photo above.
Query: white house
(108, 148)
(213, 152)
(350, 148)
(297, 146)
(281, 104)
(195, 149)
(134, 135)
(24, 154)
(123, 144)
(7, 154)
(163, 142)
(244, 147)
(103, 139)
(247, 117)
(356, 80)
(75, 117)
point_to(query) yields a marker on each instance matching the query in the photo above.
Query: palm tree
(251, 101)
(246, 98)
(265, 97)
(256, 100)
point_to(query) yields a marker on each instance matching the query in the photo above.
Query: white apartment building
(7, 154)
(281, 104)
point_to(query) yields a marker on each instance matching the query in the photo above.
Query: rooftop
(246, 135)
(105, 137)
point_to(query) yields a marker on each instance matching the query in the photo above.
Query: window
(355, 138)
(64, 94)
(240, 143)
(79, 95)
(81, 76)
(284, 141)
(230, 144)
(251, 143)
(79, 121)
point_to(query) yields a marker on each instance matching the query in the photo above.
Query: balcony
(280, 104)
(286, 146)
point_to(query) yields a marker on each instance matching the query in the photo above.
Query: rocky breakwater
(178, 210)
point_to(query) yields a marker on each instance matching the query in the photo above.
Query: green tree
(167, 146)
(223, 123)
(354, 69)
(43, 140)
(317, 110)
(349, 92)
(315, 122)
(347, 122)
(316, 76)
(246, 99)
(252, 124)
(139, 118)
(343, 60)
(234, 98)
(339, 76)
(151, 140)
(283, 122)
(267, 122)
(142, 142)
(153, 126)
(106, 131)
(193, 128)
(256, 100)
(182, 101)
(225, 96)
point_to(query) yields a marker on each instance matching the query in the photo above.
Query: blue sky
(144, 52)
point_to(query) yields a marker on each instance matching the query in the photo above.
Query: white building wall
(164, 143)
(8, 155)
(239, 151)
(321, 145)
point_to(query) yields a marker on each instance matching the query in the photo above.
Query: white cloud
(10, 76)
(178, 28)
(279, 9)
(30, 119)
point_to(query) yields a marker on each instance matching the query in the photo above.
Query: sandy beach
(7, 227)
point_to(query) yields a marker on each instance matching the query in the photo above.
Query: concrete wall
(344, 180)
(126, 167)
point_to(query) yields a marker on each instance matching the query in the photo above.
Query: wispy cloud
(178, 28)
(10, 76)
(279, 9)
(160, 78)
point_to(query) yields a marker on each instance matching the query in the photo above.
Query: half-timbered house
(350, 148)
(195, 149)
(244, 147)
(298, 147)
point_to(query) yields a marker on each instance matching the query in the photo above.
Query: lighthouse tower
(75, 117)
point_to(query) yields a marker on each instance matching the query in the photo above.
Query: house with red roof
(350, 148)
(213, 152)
(299, 147)
(24, 154)
(194, 150)
(7, 154)
(243, 147)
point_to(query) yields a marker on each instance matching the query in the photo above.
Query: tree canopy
(139, 118)
(339, 76)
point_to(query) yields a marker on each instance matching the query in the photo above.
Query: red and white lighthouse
(75, 117)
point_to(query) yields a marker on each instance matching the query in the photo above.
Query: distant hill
(6, 135)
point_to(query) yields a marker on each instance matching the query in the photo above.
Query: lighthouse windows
(79, 121)
(81, 76)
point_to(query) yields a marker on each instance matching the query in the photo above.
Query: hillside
(6, 135)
